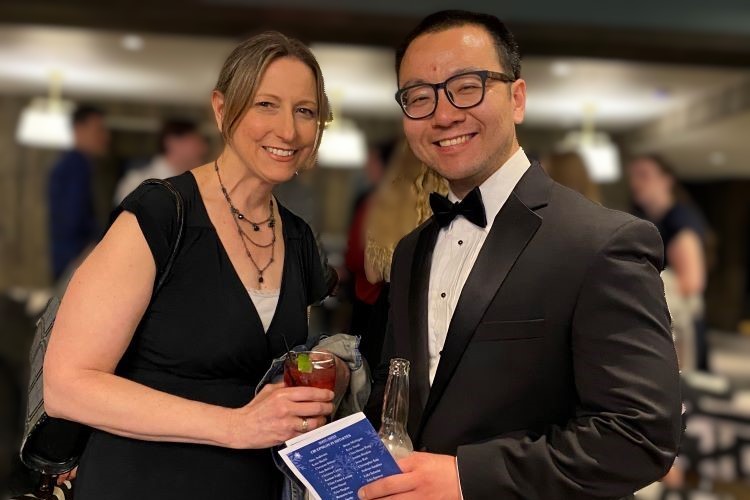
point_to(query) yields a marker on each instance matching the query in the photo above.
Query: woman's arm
(685, 254)
(104, 303)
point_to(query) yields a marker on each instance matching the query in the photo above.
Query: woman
(660, 199)
(168, 381)
(399, 205)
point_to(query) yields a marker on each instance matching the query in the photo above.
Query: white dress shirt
(159, 168)
(456, 250)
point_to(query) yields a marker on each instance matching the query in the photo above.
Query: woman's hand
(278, 413)
(68, 476)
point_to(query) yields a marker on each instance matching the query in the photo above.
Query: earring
(296, 172)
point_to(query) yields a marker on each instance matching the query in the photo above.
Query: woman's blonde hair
(400, 204)
(242, 71)
(569, 170)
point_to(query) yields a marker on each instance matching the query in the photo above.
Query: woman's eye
(264, 104)
(306, 111)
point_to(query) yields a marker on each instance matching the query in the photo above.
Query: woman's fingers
(270, 388)
(312, 423)
(312, 409)
(305, 394)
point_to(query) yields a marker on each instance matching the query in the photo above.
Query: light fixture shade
(46, 123)
(600, 155)
(342, 146)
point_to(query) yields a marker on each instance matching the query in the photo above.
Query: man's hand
(425, 475)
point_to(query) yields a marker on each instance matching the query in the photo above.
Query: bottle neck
(396, 402)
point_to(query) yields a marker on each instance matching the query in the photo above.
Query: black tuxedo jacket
(558, 378)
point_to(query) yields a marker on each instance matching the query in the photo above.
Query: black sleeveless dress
(202, 339)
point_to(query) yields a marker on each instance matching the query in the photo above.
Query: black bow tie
(471, 207)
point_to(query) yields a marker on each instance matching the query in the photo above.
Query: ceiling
(620, 95)
(623, 66)
(687, 31)
(95, 64)
(719, 151)
(360, 80)
(722, 16)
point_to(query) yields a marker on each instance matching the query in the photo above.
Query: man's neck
(461, 187)
(82, 150)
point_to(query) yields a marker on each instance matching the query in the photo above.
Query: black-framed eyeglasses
(464, 91)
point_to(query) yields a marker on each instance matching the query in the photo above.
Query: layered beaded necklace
(238, 217)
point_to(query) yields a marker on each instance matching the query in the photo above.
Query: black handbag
(51, 445)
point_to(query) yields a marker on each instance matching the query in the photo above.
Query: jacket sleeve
(626, 428)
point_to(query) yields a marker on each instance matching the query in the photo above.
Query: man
(73, 225)
(181, 147)
(542, 365)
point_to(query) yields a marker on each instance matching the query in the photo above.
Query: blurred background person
(658, 197)
(72, 221)
(364, 294)
(399, 205)
(569, 170)
(181, 147)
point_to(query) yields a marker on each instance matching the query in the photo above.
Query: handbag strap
(180, 206)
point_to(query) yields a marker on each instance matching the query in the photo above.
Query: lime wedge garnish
(304, 364)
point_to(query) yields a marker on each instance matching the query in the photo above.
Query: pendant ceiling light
(600, 155)
(343, 144)
(45, 122)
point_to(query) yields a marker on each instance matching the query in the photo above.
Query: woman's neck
(657, 209)
(249, 193)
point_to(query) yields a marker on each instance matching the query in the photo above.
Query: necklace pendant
(255, 227)
(260, 279)
(239, 215)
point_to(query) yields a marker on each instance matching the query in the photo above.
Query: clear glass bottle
(393, 432)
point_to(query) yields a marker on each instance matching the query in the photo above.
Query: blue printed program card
(336, 460)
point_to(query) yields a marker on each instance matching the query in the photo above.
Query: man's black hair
(505, 44)
(85, 111)
(175, 128)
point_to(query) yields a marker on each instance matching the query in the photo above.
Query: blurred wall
(24, 242)
(23, 214)
(726, 205)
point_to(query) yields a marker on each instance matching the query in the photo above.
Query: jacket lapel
(513, 228)
(418, 296)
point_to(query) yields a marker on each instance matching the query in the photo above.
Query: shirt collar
(498, 186)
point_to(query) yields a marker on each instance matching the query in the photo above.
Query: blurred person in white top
(181, 147)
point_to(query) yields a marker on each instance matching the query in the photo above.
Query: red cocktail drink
(310, 369)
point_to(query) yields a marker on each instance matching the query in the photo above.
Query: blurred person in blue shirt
(72, 222)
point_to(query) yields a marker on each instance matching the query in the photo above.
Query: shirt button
(460, 242)
(442, 295)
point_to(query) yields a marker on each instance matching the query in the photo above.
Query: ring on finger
(305, 424)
